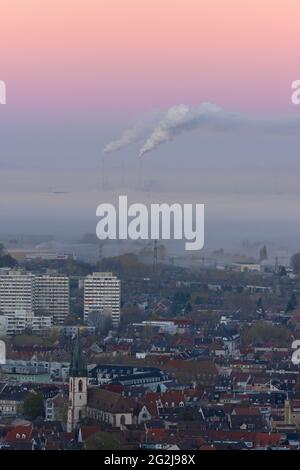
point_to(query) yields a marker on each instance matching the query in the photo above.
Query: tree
(126, 266)
(295, 263)
(132, 314)
(104, 441)
(95, 319)
(101, 320)
(54, 335)
(261, 333)
(34, 405)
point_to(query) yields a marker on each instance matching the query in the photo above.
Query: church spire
(78, 387)
(78, 366)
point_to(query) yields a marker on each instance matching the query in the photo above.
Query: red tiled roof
(200, 441)
(19, 433)
(117, 388)
(241, 411)
(87, 431)
(264, 438)
(224, 436)
(160, 435)
(172, 396)
(150, 403)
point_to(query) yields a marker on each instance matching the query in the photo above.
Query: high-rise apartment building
(102, 290)
(42, 294)
(52, 296)
(16, 291)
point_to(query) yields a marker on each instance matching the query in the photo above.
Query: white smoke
(177, 120)
(181, 118)
(135, 133)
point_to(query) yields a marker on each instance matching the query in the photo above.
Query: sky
(79, 72)
(115, 58)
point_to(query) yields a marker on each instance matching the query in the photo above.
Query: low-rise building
(17, 322)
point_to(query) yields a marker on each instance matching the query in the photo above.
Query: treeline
(127, 265)
(68, 267)
(262, 333)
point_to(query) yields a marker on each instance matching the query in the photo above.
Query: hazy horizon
(63, 108)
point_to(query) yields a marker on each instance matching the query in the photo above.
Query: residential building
(16, 291)
(52, 296)
(11, 400)
(20, 320)
(102, 290)
(43, 294)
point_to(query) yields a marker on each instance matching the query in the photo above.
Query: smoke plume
(181, 119)
(177, 120)
(135, 133)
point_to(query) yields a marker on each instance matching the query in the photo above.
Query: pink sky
(120, 57)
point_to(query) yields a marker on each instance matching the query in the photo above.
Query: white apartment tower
(42, 294)
(52, 296)
(16, 291)
(102, 290)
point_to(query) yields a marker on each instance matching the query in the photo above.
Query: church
(91, 402)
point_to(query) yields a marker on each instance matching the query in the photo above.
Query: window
(80, 385)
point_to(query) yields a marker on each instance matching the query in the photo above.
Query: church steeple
(78, 384)
(78, 366)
